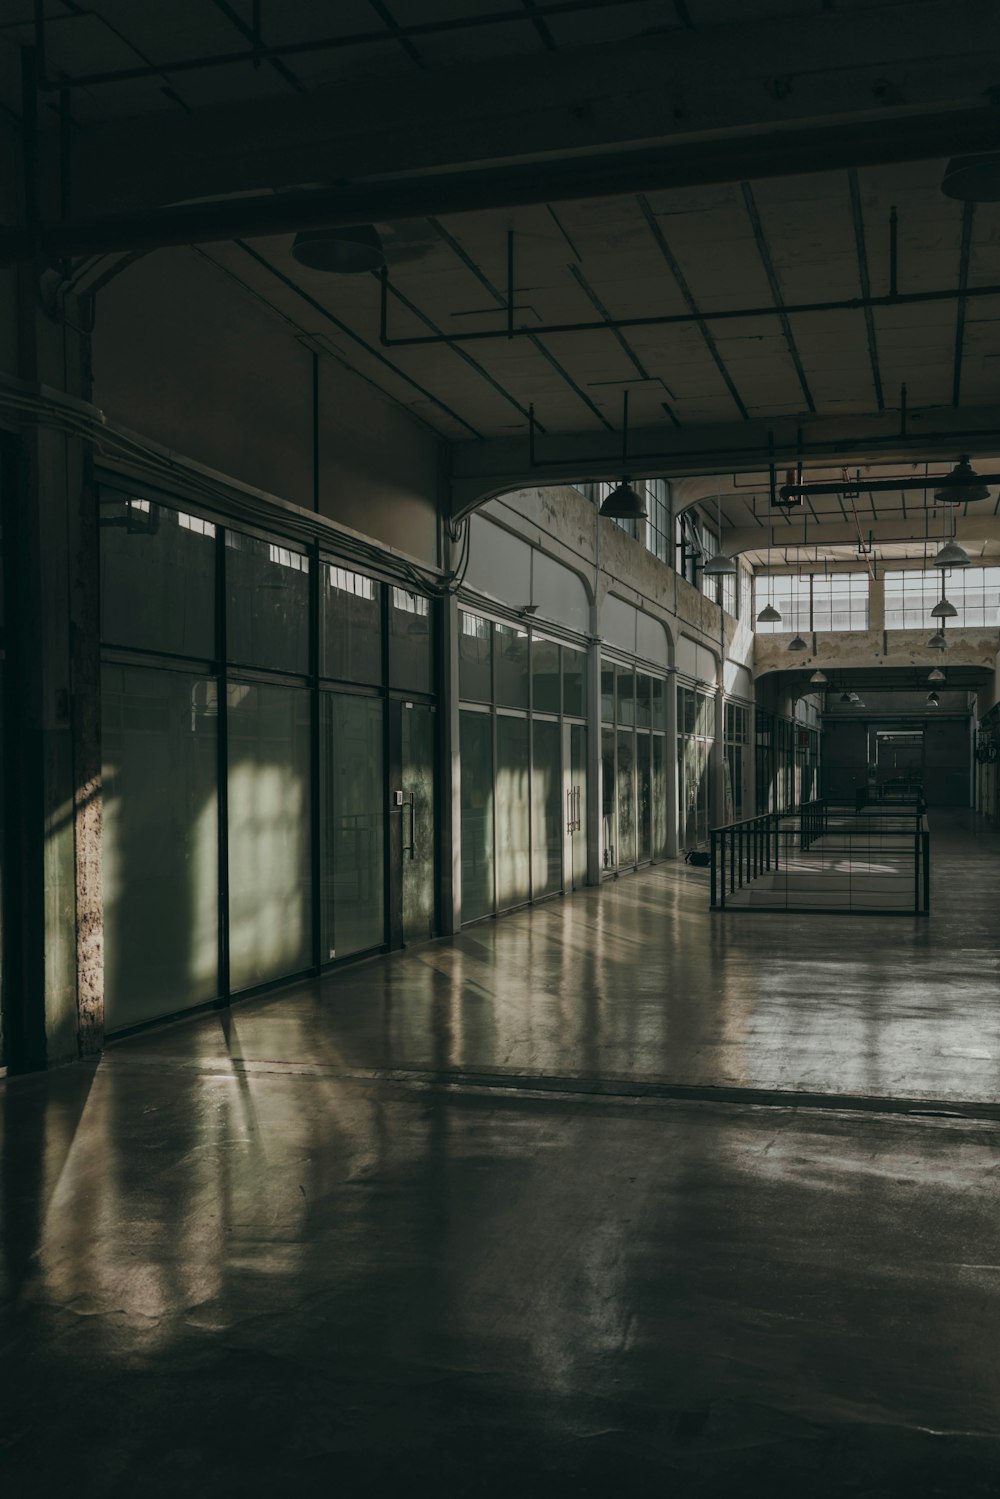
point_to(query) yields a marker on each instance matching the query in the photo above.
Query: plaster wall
(182, 354)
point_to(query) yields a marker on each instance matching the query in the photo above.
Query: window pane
(626, 797)
(270, 919)
(643, 700)
(411, 641)
(625, 684)
(544, 676)
(352, 800)
(659, 796)
(574, 666)
(157, 577)
(159, 842)
(511, 666)
(546, 809)
(267, 604)
(644, 795)
(609, 800)
(476, 755)
(659, 703)
(475, 682)
(607, 692)
(512, 803)
(350, 626)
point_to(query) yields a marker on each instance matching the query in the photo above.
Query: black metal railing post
(711, 855)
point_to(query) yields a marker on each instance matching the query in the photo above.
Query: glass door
(576, 805)
(413, 834)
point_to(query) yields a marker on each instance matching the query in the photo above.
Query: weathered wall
(185, 356)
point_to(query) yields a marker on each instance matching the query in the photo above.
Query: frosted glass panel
(352, 819)
(546, 809)
(267, 604)
(476, 755)
(350, 626)
(157, 577)
(513, 847)
(159, 842)
(270, 883)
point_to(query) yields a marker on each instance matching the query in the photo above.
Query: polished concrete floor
(614, 1195)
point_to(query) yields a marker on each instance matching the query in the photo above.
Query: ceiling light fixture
(951, 555)
(936, 675)
(343, 251)
(720, 565)
(938, 642)
(962, 486)
(623, 503)
(798, 644)
(769, 615)
(819, 678)
(845, 697)
(973, 179)
(933, 701)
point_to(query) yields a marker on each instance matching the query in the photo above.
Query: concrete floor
(612, 1195)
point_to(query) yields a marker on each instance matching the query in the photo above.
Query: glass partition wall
(695, 740)
(523, 758)
(633, 766)
(269, 735)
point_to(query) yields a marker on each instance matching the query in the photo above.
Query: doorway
(412, 873)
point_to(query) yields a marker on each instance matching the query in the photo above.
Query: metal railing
(824, 856)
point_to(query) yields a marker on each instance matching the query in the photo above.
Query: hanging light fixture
(720, 565)
(938, 642)
(973, 179)
(798, 644)
(819, 678)
(951, 555)
(623, 503)
(944, 609)
(933, 701)
(846, 697)
(937, 675)
(344, 251)
(962, 486)
(769, 615)
(853, 697)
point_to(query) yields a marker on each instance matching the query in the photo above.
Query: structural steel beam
(723, 103)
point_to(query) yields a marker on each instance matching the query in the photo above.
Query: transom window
(813, 601)
(910, 595)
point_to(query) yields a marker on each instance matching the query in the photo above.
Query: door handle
(410, 848)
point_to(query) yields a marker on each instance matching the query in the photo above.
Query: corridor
(614, 1194)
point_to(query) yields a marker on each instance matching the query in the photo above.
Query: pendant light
(938, 642)
(933, 701)
(769, 615)
(943, 609)
(721, 565)
(344, 251)
(973, 179)
(798, 644)
(951, 555)
(845, 697)
(937, 675)
(962, 486)
(623, 503)
(819, 678)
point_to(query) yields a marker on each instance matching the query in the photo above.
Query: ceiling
(409, 96)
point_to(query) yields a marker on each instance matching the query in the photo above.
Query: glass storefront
(249, 755)
(633, 767)
(695, 738)
(523, 765)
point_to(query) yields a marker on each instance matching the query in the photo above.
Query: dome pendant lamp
(721, 565)
(962, 486)
(623, 503)
(769, 615)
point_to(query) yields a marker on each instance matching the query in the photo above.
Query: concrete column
(876, 603)
(595, 820)
(717, 811)
(673, 791)
(54, 980)
(450, 847)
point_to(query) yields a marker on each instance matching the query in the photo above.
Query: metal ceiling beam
(687, 456)
(972, 533)
(720, 103)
